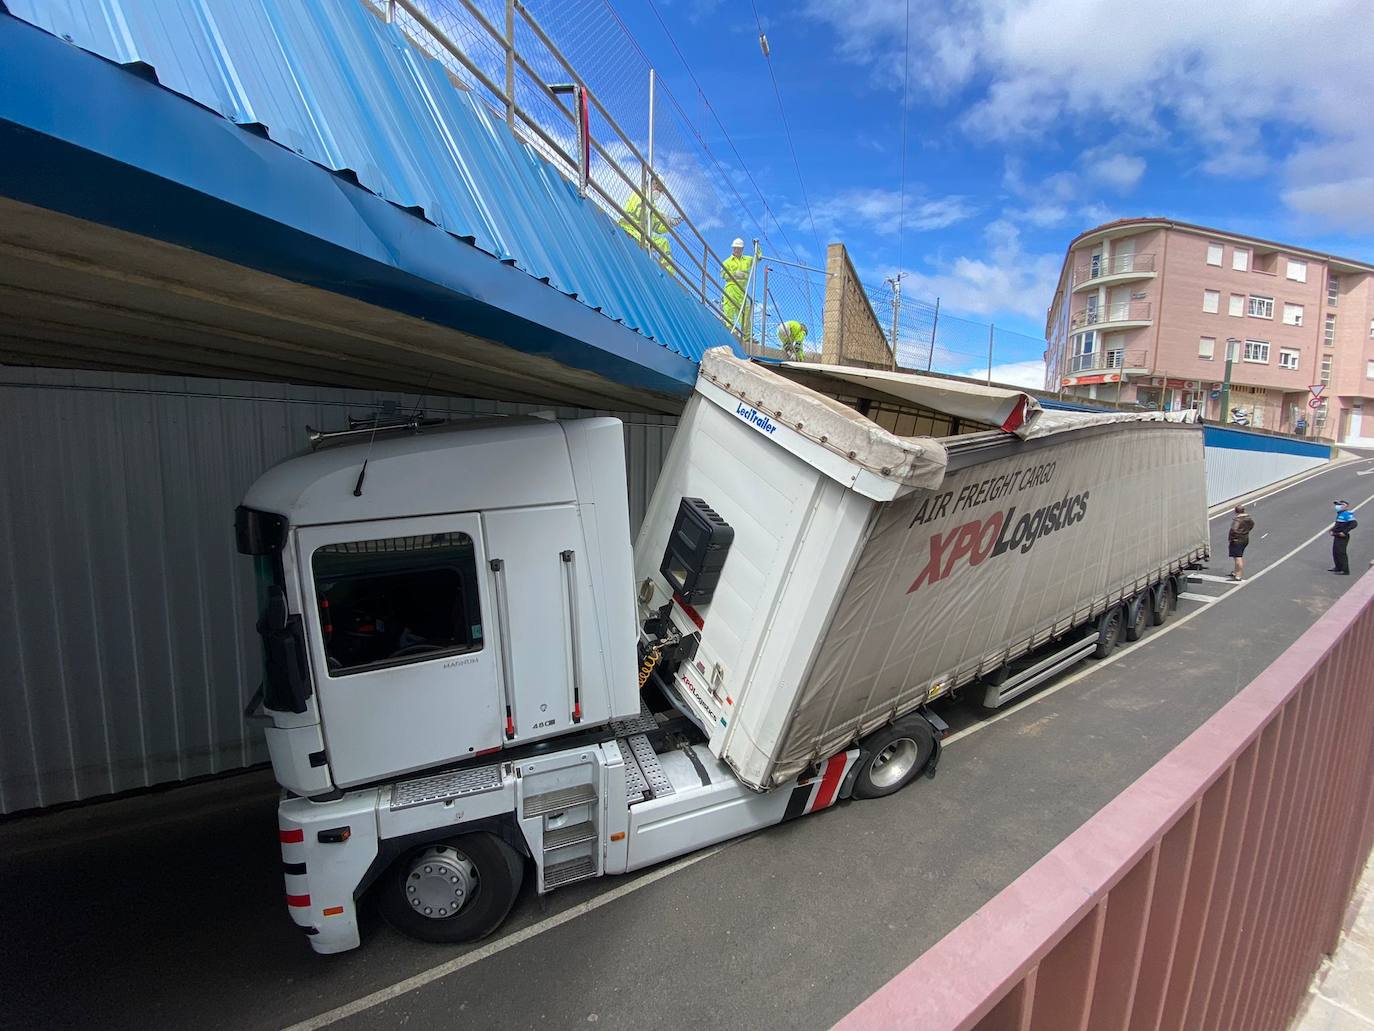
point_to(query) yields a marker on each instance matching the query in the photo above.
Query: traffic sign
(1216, 395)
(1316, 402)
(1317, 389)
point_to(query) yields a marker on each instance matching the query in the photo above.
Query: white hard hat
(737, 242)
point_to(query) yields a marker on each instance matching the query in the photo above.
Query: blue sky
(1029, 121)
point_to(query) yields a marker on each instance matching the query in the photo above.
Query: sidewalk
(1342, 994)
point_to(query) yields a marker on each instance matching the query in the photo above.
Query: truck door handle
(570, 589)
(498, 579)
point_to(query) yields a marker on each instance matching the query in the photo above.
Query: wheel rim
(893, 763)
(441, 882)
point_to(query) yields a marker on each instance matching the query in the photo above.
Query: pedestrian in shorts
(1237, 539)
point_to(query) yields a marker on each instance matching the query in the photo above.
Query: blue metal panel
(330, 81)
(1232, 439)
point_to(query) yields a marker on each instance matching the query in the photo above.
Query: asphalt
(165, 910)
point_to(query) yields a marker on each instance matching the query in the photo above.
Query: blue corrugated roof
(332, 82)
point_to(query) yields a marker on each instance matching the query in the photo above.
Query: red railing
(1206, 894)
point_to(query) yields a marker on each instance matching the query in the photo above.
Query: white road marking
(1122, 652)
(1210, 578)
(1264, 535)
(1206, 599)
(452, 966)
(1367, 472)
(433, 974)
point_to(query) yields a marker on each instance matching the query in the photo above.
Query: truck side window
(397, 600)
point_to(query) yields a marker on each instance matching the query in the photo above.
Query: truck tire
(891, 758)
(1109, 626)
(1138, 616)
(452, 891)
(1163, 600)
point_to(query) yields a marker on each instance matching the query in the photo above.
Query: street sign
(1316, 402)
(1216, 395)
(1317, 389)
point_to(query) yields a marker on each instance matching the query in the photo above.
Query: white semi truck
(470, 676)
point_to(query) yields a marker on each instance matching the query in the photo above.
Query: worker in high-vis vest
(792, 335)
(734, 270)
(633, 223)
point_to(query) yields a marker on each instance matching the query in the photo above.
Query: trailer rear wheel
(1108, 631)
(892, 757)
(1137, 616)
(452, 891)
(1163, 600)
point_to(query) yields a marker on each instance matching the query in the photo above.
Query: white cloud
(1013, 374)
(1233, 82)
(879, 211)
(1000, 279)
(1120, 172)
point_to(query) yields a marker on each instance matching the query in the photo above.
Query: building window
(1257, 351)
(1371, 329)
(1211, 301)
(1292, 314)
(1288, 359)
(1261, 307)
(1237, 305)
(1326, 369)
(1333, 288)
(1329, 332)
(1206, 347)
(1297, 271)
(1214, 254)
(397, 600)
(1369, 369)
(1240, 259)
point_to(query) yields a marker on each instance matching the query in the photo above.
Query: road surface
(166, 910)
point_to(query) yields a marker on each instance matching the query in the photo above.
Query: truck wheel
(1137, 616)
(1163, 600)
(452, 891)
(891, 758)
(1108, 631)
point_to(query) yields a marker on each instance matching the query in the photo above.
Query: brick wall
(852, 335)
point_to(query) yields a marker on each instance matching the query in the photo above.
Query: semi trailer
(472, 676)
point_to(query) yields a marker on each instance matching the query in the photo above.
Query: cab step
(557, 801)
(574, 834)
(559, 874)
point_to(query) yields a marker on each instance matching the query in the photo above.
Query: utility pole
(896, 283)
(1231, 344)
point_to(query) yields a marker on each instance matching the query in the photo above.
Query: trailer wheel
(1163, 600)
(1108, 631)
(1137, 616)
(452, 891)
(891, 758)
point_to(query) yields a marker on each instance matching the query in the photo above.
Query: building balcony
(1123, 268)
(1120, 315)
(1108, 361)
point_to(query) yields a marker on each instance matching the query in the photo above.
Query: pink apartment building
(1145, 307)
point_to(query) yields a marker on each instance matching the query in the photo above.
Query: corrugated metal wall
(127, 650)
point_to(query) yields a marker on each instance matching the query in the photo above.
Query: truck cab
(407, 587)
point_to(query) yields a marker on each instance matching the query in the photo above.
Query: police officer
(1340, 538)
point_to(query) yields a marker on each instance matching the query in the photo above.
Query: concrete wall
(127, 650)
(852, 333)
(1240, 461)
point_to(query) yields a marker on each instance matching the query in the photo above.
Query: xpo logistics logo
(978, 540)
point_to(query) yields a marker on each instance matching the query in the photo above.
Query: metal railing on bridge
(1202, 897)
(645, 177)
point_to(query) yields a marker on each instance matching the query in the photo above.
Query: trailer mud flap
(941, 729)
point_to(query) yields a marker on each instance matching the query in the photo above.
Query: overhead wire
(787, 131)
(906, 85)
